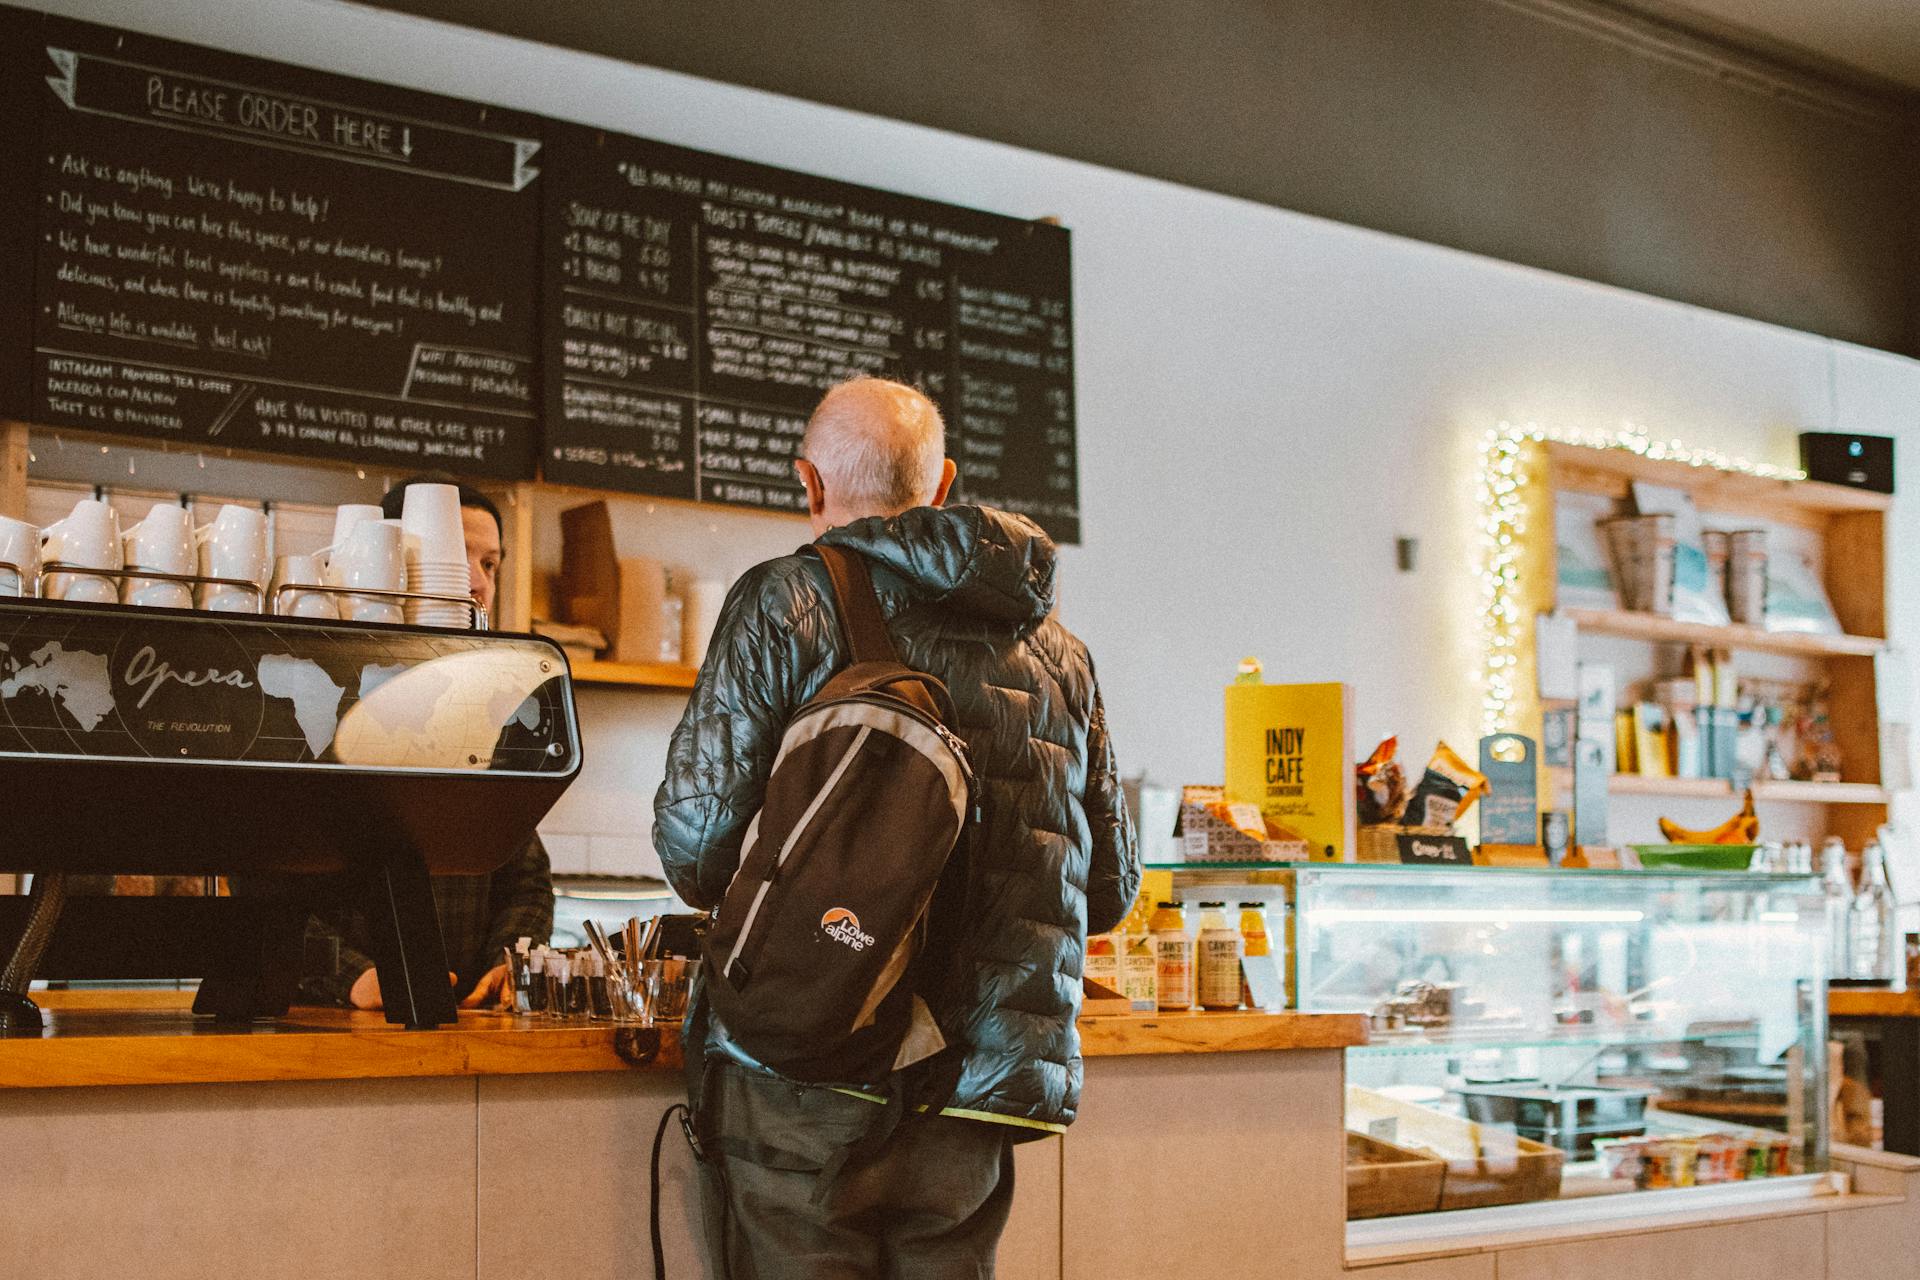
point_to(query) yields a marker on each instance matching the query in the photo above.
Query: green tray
(1697, 857)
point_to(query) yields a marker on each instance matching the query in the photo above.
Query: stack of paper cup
(436, 547)
(1747, 577)
(1643, 549)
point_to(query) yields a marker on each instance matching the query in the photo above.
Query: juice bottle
(1173, 956)
(1219, 964)
(1286, 952)
(1140, 965)
(1254, 942)
(1103, 960)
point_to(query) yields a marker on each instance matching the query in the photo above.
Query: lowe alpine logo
(843, 926)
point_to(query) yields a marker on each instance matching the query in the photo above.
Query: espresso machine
(312, 765)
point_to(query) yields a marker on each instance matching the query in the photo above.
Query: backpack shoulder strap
(860, 617)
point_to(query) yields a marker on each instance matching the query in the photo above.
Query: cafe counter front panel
(496, 1150)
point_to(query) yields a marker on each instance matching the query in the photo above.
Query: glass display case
(1541, 1035)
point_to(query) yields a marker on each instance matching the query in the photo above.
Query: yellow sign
(1288, 753)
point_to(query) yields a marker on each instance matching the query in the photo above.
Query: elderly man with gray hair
(967, 592)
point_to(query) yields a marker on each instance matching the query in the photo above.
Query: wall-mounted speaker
(1863, 462)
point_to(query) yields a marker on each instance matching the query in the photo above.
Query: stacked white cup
(436, 549)
(234, 546)
(88, 537)
(19, 547)
(164, 543)
(293, 572)
(368, 557)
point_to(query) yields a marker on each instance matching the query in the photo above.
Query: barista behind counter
(479, 915)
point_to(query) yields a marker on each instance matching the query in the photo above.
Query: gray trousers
(930, 1206)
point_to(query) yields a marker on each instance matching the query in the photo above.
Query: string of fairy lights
(1503, 525)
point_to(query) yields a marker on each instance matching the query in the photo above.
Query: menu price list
(231, 251)
(696, 307)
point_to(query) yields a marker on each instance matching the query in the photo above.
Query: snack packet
(1242, 817)
(1446, 792)
(1381, 785)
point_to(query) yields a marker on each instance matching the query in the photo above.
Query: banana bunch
(1742, 828)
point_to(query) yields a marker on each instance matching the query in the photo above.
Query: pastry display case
(1555, 1034)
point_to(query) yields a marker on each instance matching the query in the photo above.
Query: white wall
(1266, 401)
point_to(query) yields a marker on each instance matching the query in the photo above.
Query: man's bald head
(876, 448)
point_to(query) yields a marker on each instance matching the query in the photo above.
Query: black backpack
(824, 961)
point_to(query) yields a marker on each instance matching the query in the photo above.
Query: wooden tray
(1384, 1180)
(1485, 1164)
(1381, 842)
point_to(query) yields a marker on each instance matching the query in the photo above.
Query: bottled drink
(1838, 885)
(1219, 962)
(1103, 960)
(1140, 967)
(1871, 926)
(1253, 942)
(1173, 956)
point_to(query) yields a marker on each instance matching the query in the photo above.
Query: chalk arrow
(69, 63)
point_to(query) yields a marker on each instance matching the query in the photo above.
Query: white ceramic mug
(89, 536)
(372, 559)
(300, 571)
(233, 546)
(164, 543)
(347, 517)
(19, 547)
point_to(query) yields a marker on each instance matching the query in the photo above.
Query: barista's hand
(491, 992)
(366, 989)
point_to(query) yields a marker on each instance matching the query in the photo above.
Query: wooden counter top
(1124, 1035)
(104, 1037)
(1869, 1002)
(100, 1046)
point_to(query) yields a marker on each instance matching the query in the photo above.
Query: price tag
(1445, 851)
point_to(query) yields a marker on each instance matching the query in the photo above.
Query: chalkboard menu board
(696, 306)
(236, 252)
(18, 217)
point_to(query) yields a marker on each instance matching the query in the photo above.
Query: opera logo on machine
(843, 927)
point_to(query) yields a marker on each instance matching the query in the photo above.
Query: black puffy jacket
(968, 593)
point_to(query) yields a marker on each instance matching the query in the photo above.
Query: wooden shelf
(1652, 627)
(1612, 470)
(1819, 792)
(1872, 1002)
(635, 675)
(1634, 784)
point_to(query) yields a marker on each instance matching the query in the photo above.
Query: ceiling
(1879, 37)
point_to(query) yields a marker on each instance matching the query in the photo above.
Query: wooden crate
(1381, 842)
(1384, 1180)
(1485, 1164)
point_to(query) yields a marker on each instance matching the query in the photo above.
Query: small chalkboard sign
(1511, 811)
(1441, 851)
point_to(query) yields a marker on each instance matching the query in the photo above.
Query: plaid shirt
(479, 915)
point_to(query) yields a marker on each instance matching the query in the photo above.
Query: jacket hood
(972, 560)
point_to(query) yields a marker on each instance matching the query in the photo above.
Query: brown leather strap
(861, 621)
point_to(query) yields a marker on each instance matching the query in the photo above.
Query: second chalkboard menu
(236, 252)
(696, 306)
